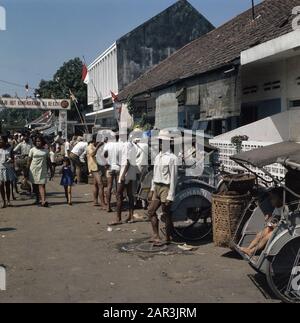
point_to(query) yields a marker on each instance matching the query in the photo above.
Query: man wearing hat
(163, 186)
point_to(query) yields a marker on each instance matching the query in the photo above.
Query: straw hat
(169, 136)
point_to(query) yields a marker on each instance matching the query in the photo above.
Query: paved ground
(66, 254)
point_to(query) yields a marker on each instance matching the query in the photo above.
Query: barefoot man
(163, 187)
(272, 221)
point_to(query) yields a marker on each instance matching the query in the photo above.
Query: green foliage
(16, 118)
(142, 122)
(68, 77)
(237, 142)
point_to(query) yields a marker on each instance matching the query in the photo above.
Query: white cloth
(166, 172)
(23, 148)
(129, 154)
(67, 148)
(101, 160)
(5, 155)
(142, 155)
(79, 148)
(52, 157)
(114, 151)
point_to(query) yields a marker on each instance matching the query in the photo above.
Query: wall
(166, 113)
(157, 39)
(103, 76)
(272, 80)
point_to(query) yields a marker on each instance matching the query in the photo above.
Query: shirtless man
(263, 237)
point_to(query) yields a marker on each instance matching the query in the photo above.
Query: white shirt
(67, 148)
(52, 156)
(129, 154)
(142, 155)
(80, 148)
(165, 172)
(114, 151)
(23, 148)
(101, 160)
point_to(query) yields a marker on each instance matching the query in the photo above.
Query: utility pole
(253, 10)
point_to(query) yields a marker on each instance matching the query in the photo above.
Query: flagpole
(99, 97)
(82, 118)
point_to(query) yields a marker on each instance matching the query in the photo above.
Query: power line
(17, 85)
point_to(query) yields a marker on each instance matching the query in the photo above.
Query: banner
(42, 104)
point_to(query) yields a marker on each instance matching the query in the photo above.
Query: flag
(114, 96)
(85, 74)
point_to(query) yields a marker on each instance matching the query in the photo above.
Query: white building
(138, 51)
(270, 77)
(103, 73)
(270, 98)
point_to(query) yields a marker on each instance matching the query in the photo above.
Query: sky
(42, 34)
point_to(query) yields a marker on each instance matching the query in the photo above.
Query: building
(141, 49)
(243, 71)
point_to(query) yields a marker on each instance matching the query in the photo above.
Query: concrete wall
(166, 113)
(284, 126)
(278, 79)
(157, 39)
(220, 99)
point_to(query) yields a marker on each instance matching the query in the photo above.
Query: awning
(105, 113)
(292, 161)
(277, 153)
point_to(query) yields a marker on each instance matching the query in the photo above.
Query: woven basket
(239, 183)
(227, 211)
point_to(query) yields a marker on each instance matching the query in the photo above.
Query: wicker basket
(240, 183)
(227, 211)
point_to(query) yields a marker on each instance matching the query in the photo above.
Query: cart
(280, 260)
(191, 209)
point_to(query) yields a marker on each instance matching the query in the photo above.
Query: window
(250, 90)
(269, 86)
(294, 104)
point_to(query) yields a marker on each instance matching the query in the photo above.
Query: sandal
(46, 204)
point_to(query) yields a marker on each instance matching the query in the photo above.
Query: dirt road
(66, 254)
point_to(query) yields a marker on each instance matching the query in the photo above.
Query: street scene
(165, 170)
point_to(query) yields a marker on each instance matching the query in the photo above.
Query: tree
(68, 77)
(17, 118)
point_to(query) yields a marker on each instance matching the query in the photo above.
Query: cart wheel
(191, 215)
(279, 271)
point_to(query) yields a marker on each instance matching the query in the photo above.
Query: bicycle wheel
(191, 215)
(279, 272)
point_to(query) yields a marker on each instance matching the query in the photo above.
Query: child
(67, 179)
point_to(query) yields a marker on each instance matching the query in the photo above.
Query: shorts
(102, 171)
(161, 192)
(75, 160)
(112, 173)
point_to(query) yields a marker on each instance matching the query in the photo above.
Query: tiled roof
(219, 47)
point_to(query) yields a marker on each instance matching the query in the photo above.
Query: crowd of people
(28, 160)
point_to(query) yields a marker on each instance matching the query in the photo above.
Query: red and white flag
(85, 74)
(114, 96)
